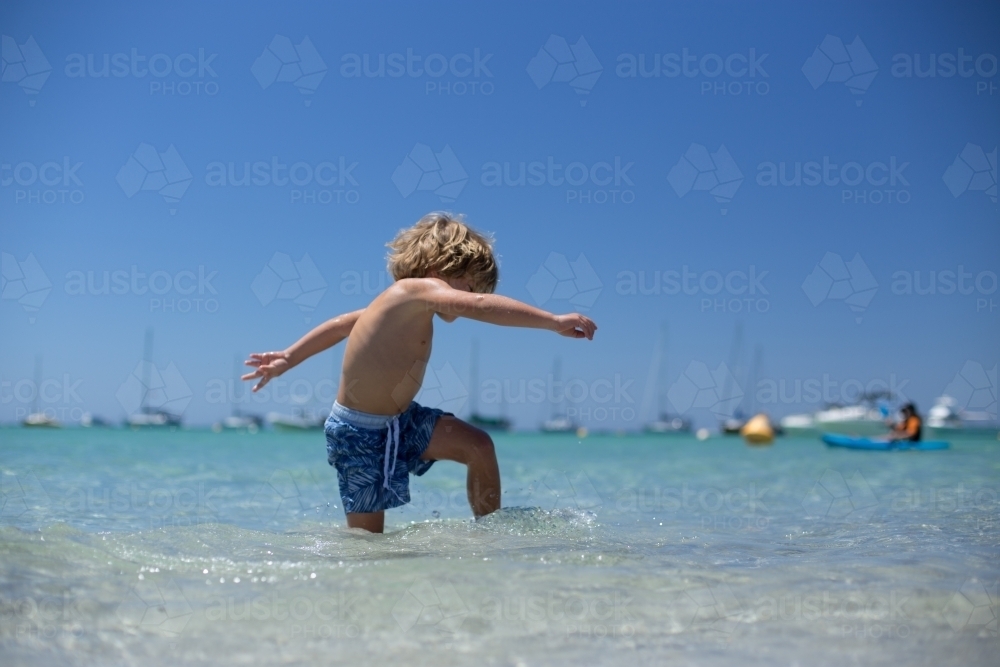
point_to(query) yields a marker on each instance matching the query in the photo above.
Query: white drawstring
(391, 437)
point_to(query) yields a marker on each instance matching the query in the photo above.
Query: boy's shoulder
(415, 286)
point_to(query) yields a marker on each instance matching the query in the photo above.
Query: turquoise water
(192, 547)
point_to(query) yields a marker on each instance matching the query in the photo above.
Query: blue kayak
(835, 440)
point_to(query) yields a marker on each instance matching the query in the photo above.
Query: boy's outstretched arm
(502, 310)
(270, 365)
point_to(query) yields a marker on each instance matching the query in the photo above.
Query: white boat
(301, 420)
(559, 425)
(667, 425)
(88, 420)
(946, 420)
(866, 418)
(40, 420)
(149, 418)
(558, 422)
(238, 422)
(37, 418)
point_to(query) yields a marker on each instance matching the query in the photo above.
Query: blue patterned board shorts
(374, 454)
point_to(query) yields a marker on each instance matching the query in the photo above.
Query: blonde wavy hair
(444, 244)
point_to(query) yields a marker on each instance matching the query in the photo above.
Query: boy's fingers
(250, 376)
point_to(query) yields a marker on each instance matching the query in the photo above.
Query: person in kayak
(910, 427)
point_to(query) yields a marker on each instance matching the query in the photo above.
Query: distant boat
(866, 417)
(945, 419)
(88, 420)
(238, 421)
(152, 418)
(490, 423)
(149, 417)
(498, 423)
(735, 422)
(37, 418)
(40, 420)
(558, 423)
(301, 420)
(665, 423)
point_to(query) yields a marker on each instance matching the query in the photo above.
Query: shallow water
(158, 548)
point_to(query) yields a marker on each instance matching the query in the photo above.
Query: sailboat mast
(474, 379)
(734, 355)
(758, 355)
(661, 380)
(556, 372)
(38, 384)
(147, 362)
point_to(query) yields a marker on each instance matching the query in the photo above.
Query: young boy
(376, 435)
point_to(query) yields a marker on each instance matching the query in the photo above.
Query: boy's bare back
(388, 351)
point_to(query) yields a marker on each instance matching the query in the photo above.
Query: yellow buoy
(758, 430)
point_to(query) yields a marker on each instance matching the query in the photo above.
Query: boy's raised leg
(455, 440)
(373, 522)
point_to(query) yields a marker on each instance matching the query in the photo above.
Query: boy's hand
(575, 325)
(268, 364)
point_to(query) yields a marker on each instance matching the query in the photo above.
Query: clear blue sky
(214, 105)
